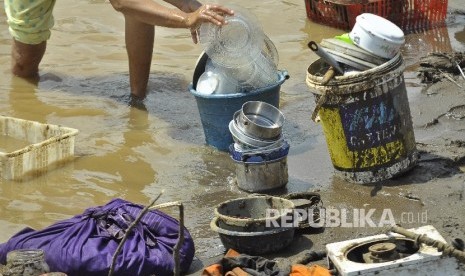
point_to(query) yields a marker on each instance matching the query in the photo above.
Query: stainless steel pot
(263, 176)
(260, 120)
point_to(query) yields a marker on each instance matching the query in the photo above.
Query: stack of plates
(372, 41)
(350, 54)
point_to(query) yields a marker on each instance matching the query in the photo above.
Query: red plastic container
(409, 15)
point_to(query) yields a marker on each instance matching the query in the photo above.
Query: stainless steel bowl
(241, 138)
(260, 120)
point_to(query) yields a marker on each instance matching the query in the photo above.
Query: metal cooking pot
(261, 120)
(262, 176)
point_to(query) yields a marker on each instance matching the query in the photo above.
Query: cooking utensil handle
(325, 56)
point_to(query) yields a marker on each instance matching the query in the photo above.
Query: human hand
(214, 14)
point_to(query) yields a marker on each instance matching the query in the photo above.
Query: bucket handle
(322, 100)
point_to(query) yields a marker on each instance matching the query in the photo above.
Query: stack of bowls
(259, 151)
(257, 125)
(239, 51)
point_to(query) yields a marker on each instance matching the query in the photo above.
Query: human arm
(185, 16)
(185, 5)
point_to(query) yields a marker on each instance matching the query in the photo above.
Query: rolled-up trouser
(29, 21)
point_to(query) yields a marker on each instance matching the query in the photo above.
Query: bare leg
(26, 58)
(139, 45)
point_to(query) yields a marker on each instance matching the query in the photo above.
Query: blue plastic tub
(217, 110)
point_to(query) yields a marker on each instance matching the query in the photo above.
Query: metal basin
(261, 120)
(254, 243)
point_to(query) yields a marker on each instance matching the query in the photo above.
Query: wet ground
(135, 153)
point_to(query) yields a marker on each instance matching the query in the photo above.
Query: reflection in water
(124, 165)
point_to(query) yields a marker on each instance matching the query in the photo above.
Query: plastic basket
(49, 144)
(409, 15)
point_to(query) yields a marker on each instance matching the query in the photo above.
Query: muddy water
(10, 144)
(136, 152)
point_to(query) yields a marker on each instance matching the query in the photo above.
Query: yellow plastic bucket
(366, 121)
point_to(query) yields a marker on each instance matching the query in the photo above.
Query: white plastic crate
(49, 144)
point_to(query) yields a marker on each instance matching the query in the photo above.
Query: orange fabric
(237, 271)
(213, 270)
(314, 270)
(217, 269)
(232, 253)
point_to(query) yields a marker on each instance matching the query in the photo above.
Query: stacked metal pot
(259, 150)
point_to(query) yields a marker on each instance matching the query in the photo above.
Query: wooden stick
(450, 78)
(460, 69)
(177, 247)
(126, 235)
(328, 75)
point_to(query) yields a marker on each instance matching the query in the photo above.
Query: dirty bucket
(217, 110)
(366, 121)
(253, 214)
(260, 171)
(254, 243)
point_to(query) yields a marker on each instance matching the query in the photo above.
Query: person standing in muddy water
(30, 22)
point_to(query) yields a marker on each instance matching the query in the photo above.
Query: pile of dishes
(241, 57)
(259, 150)
(257, 126)
(372, 41)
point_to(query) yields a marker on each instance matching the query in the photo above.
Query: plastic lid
(381, 27)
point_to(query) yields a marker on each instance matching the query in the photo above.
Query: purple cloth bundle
(85, 244)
